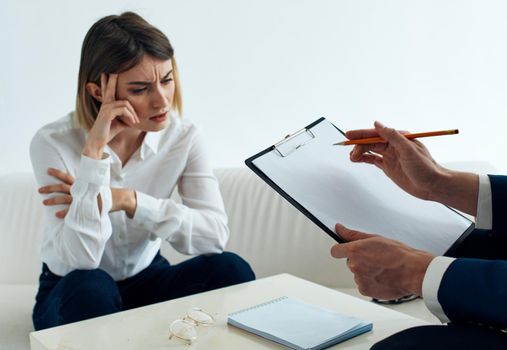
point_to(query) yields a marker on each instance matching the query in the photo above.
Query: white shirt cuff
(95, 171)
(147, 210)
(484, 218)
(162, 217)
(431, 284)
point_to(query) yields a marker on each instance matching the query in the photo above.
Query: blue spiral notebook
(298, 325)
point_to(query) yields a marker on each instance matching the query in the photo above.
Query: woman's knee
(79, 295)
(90, 286)
(233, 267)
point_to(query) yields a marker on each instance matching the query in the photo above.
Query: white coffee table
(148, 327)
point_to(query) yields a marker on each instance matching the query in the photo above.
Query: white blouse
(89, 239)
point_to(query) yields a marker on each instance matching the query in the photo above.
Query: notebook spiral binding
(259, 305)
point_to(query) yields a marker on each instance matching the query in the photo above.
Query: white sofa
(265, 230)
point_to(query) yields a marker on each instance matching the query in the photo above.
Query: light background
(253, 71)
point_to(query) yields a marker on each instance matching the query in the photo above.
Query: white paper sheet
(322, 179)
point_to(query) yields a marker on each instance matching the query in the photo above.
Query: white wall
(253, 71)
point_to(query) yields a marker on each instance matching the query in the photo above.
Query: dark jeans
(452, 337)
(83, 294)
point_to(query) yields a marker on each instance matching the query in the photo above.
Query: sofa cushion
(16, 303)
(21, 221)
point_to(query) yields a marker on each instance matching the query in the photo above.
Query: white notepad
(298, 325)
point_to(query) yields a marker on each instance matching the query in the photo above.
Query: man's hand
(407, 163)
(382, 268)
(410, 166)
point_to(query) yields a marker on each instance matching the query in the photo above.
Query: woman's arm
(199, 224)
(122, 198)
(80, 239)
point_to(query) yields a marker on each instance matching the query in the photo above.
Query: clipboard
(322, 183)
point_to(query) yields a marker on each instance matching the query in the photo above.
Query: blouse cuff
(95, 171)
(152, 213)
(431, 284)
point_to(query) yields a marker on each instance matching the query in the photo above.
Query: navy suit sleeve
(483, 244)
(473, 289)
(499, 201)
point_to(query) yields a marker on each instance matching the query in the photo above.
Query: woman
(107, 172)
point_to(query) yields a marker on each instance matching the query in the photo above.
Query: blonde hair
(115, 44)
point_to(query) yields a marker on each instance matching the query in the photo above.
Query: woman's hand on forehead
(113, 117)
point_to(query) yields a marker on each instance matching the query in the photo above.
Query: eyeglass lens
(199, 316)
(184, 330)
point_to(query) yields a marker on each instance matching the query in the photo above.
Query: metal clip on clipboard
(293, 142)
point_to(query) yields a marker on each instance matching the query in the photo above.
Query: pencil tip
(339, 143)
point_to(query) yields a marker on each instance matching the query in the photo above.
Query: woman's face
(149, 87)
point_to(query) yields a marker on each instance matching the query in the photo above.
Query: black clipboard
(303, 139)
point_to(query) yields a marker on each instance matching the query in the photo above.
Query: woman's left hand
(123, 198)
(62, 191)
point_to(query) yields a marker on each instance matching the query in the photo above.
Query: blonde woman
(107, 171)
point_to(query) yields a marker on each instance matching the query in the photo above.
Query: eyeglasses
(185, 329)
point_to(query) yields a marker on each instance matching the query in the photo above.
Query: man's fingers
(339, 251)
(351, 235)
(342, 250)
(367, 133)
(361, 134)
(391, 135)
(365, 285)
(368, 158)
(359, 151)
(379, 148)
